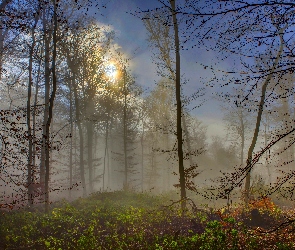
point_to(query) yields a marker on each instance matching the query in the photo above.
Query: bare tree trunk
(50, 113)
(168, 173)
(105, 153)
(34, 153)
(258, 120)
(71, 143)
(108, 155)
(3, 34)
(188, 142)
(142, 156)
(153, 172)
(179, 111)
(90, 154)
(30, 177)
(47, 38)
(73, 66)
(125, 185)
(79, 124)
(242, 137)
(265, 144)
(30, 139)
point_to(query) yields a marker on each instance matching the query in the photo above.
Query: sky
(131, 36)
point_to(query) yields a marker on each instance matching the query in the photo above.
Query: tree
(84, 66)
(6, 20)
(163, 44)
(242, 31)
(159, 128)
(237, 117)
(129, 120)
(30, 136)
(50, 55)
(277, 119)
(261, 106)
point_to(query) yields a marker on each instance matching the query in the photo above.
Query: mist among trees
(77, 124)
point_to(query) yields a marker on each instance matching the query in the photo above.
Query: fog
(82, 113)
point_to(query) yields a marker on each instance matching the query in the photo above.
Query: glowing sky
(111, 70)
(131, 37)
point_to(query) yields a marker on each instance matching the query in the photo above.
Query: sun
(111, 71)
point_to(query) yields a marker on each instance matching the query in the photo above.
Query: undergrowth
(124, 220)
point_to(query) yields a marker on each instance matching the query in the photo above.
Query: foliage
(125, 220)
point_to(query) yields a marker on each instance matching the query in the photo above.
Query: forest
(186, 142)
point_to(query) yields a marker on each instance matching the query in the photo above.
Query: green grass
(125, 220)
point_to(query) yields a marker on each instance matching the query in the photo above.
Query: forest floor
(126, 220)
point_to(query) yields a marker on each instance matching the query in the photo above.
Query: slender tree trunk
(50, 113)
(2, 37)
(30, 177)
(47, 38)
(71, 143)
(75, 154)
(187, 136)
(153, 172)
(265, 144)
(3, 34)
(242, 138)
(95, 139)
(30, 139)
(168, 173)
(258, 120)
(90, 154)
(179, 107)
(108, 155)
(73, 66)
(105, 153)
(142, 156)
(34, 153)
(125, 186)
(79, 124)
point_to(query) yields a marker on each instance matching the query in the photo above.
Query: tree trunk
(30, 149)
(3, 34)
(71, 143)
(34, 153)
(108, 155)
(47, 39)
(105, 153)
(258, 120)
(179, 111)
(30, 177)
(266, 129)
(242, 137)
(125, 186)
(74, 70)
(142, 155)
(168, 173)
(90, 153)
(50, 113)
(188, 142)
(79, 124)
